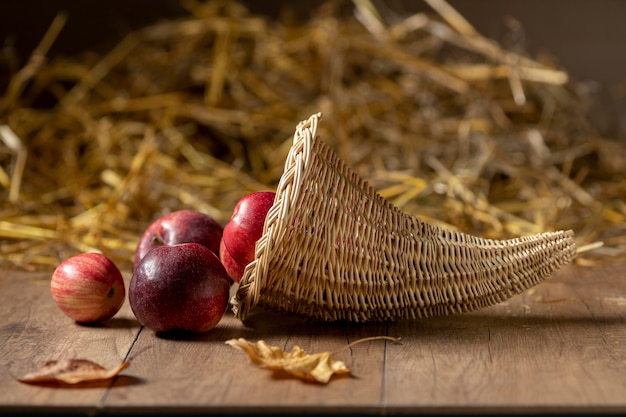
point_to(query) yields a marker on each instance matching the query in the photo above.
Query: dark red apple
(179, 287)
(182, 226)
(243, 230)
(88, 287)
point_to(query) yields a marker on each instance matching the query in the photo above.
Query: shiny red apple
(243, 230)
(182, 226)
(233, 268)
(179, 287)
(88, 287)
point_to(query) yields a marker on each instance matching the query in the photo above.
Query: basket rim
(254, 278)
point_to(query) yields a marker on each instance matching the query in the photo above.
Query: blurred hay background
(196, 112)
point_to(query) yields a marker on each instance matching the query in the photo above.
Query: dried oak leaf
(72, 371)
(319, 367)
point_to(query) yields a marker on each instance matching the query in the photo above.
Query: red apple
(88, 287)
(232, 267)
(243, 230)
(182, 226)
(179, 287)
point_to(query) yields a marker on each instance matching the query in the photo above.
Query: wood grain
(208, 373)
(559, 346)
(33, 331)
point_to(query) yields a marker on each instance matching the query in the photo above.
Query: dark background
(587, 38)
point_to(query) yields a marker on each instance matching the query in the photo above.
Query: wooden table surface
(559, 347)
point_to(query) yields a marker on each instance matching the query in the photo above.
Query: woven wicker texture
(333, 249)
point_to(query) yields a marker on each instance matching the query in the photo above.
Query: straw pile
(197, 112)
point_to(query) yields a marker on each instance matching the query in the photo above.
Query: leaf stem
(367, 339)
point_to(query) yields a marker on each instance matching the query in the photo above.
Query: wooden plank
(202, 372)
(560, 345)
(33, 330)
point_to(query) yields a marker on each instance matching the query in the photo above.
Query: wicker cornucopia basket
(334, 249)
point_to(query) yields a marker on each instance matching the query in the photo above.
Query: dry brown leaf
(72, 371)
(319, 367)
